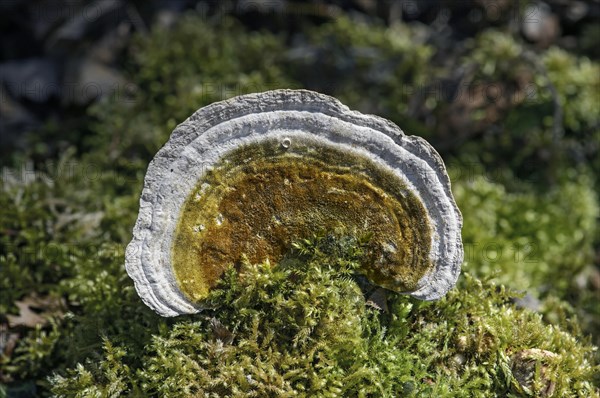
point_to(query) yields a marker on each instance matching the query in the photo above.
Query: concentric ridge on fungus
(247, 176)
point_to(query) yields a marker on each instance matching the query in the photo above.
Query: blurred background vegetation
(507, 92)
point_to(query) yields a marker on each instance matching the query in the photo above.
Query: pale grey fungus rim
(286, 115)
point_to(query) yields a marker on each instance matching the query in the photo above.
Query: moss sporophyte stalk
(262, 196)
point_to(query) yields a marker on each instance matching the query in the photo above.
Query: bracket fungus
(245, 177)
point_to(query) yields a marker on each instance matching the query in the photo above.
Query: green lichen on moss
(262, 196)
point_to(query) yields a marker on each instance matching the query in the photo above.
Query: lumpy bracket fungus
(246, 177)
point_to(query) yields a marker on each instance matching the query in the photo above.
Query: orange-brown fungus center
(263, 197)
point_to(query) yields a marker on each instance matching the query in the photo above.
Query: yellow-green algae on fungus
(260, 197)
(247, 176)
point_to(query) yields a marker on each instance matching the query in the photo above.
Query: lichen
(262, 195)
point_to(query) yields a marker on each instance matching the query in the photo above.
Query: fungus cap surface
(247, 176)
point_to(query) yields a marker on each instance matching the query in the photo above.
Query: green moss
(263, 195)
(303, 328)
(531, 242)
